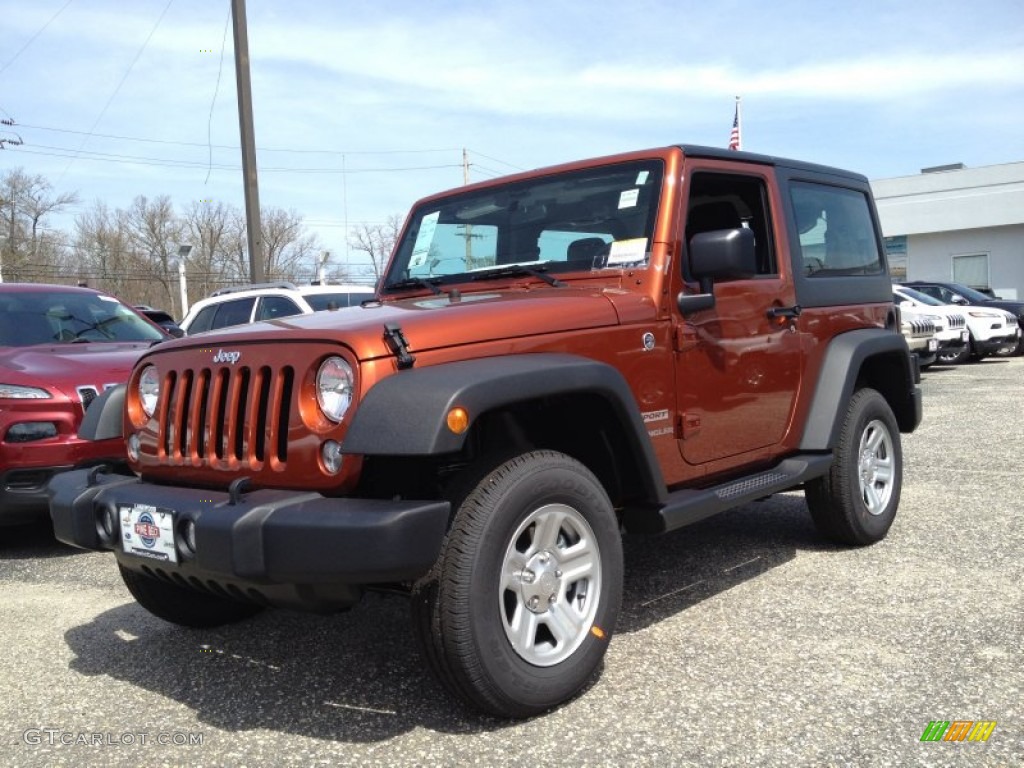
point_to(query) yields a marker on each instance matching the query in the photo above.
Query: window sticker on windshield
(628, 251)
(628, 198)
(424, 238)
(641, 178)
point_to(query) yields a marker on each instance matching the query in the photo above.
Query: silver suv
(268, 301)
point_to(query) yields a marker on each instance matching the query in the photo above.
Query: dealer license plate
(148, 531)
(933, 344)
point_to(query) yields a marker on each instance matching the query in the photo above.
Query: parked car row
(958, 330)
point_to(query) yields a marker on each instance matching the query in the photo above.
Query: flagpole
(739, 123)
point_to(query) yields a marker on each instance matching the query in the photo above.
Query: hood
(1015, 308)
(430, 322)
(67, 366)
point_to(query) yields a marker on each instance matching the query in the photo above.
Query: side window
(837, 236)
(728, 201)
(236, 312)
(272, 307)
(204, 320)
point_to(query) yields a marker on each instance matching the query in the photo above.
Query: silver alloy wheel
(876, 466)
(550, 584)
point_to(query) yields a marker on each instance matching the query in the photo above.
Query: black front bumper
(291, 548)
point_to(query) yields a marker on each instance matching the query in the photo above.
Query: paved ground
(746, 641)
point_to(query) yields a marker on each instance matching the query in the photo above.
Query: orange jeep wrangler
(624, 344)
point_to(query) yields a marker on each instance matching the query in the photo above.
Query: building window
(971, 270)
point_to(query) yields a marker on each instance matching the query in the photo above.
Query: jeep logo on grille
(226, 357)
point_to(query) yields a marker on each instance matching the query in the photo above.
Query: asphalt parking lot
(745, 640)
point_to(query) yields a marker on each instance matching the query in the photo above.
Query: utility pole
(251, 184)
(468, 229)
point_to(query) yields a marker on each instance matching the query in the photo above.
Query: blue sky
(363, 107)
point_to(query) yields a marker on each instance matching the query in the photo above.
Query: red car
(60, 347)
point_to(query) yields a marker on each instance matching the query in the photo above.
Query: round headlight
(149, 389)
(334, 384)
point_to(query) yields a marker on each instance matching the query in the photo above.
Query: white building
(956, 223)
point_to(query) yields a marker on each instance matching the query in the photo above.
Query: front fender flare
(405, 414)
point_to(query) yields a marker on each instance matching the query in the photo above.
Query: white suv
(950, 322)
(989, 329)
(269, 301)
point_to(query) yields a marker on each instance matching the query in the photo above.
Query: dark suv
(957, 293)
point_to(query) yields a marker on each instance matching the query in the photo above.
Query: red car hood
(67, 366)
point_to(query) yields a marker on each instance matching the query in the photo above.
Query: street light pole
(252, 192)
(183, 252)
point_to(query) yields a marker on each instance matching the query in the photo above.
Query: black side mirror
(723, 254)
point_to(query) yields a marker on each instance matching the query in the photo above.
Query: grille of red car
(236, 417)
(88, 394)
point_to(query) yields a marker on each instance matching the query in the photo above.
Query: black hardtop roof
(718, 153)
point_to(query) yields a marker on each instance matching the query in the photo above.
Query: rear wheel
(187, 607)
(517, 614)
(855, 503)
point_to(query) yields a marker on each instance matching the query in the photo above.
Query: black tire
(180, 605)
(509, 646)
(856, 502)
(955, 358)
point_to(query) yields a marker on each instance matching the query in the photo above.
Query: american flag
(734, 137)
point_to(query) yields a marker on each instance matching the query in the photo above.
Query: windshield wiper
(514, 270)
(417, 282)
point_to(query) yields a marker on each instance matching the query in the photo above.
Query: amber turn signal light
(458, 420)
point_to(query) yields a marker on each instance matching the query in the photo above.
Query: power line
(216, 88)
(143, 160)
(481, 154)
(235, 147)
(118, 88)
(33, 38)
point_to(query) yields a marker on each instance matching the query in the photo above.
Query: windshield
(582, 220)
(923, 298)
(46, 317)
(970, 294)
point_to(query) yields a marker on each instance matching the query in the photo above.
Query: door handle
(790, 313)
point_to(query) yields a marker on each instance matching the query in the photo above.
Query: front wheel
(855, 503)
(957, 357)
(517, 614)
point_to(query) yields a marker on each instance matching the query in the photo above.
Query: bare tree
(288, 250)
(377, 241)
(103, 244)
(25, 201)
(156, 233)
(213, 232)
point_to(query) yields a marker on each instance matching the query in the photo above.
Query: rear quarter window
(837, 235)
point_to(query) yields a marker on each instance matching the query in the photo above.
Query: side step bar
(689, 506)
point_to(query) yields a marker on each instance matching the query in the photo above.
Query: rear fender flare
(843, 362)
